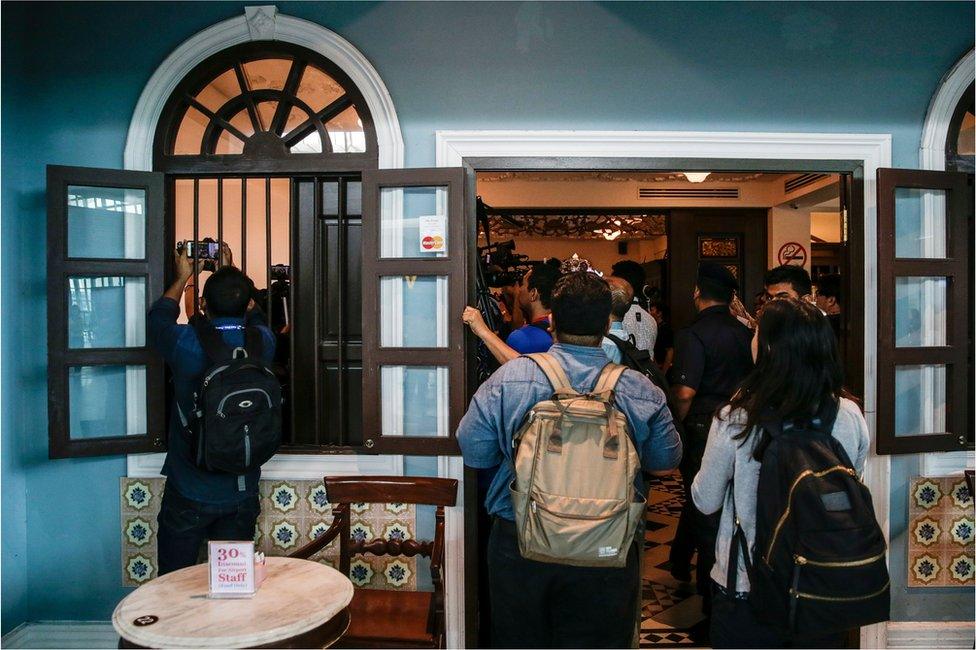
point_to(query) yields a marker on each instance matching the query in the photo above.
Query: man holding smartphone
(199, 505)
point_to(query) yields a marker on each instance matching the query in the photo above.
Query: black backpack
(235, 425)
(641, 361)
(818, 565)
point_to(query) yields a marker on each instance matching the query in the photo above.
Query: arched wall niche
(262, 23)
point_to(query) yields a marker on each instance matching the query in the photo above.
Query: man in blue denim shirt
(199, 505)
(536, 604)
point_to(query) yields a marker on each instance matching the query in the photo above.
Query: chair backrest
(391, 489)
(345, 490)
(419, 490)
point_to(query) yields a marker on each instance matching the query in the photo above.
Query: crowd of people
(700, 400)
(593, 395)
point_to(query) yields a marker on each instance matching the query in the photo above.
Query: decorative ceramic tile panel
(140, 499)
(940, 533)
(292, 514)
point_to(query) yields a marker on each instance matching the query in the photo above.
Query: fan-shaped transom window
(265, 101)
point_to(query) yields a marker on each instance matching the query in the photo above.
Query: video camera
(502, 265)
(280, 272)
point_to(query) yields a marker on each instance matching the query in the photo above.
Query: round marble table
(300, 604)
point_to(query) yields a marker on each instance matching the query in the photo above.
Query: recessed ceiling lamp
(696, 177)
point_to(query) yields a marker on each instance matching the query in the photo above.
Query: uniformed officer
(712, 355)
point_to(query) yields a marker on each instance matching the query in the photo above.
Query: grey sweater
(725, 456)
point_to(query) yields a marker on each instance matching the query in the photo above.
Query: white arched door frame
(932, 155)
(931, 151)
(262, 23)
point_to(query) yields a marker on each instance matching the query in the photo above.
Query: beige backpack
(575, 466)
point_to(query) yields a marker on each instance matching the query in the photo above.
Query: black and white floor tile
(670, 610)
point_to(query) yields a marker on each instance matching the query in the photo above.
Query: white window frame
(872, 150)
(932, 155)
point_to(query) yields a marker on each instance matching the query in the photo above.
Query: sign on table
(232, 570)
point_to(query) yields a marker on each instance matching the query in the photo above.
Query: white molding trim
(931, 151)
(931, 155)
(947, 463)
(453, 467)
(62, 634)
(261, 22)
(298, 467)
(941, 634)
(872, 150)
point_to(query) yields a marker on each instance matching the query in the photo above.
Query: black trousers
(734, 625)
(695, 531)
(541, 605)
(184, 525)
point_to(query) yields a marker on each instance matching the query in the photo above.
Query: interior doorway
(669, 223)
(747, 221)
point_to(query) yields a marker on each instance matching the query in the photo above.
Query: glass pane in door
(106, 312)
(413, 311)
(106, 401)
(414, 400)
(413, 222)
(920, 223)
(920, 312)
(920, 400)
(106, 222)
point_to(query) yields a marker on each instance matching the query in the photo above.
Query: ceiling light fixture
(696, 177)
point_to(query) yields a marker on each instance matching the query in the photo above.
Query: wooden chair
(386, 618)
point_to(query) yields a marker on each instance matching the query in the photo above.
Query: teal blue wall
(71, 75)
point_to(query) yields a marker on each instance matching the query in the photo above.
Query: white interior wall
(786, 225)
(825, 226)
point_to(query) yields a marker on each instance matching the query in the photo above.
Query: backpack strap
(554, 373)
(738, 547)
(210, 339)
(609, 376)
(603, 391)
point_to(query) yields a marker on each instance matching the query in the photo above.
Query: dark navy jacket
(180, 347)
(712, 355)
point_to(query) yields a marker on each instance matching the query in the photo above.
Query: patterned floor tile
(671, 484)
(672, 639)
(670, 611)
(671, 507)
(658, 597)
(651, 526)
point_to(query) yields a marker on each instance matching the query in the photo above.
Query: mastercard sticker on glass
(433, 238)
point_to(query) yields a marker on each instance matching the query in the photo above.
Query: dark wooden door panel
(687, 227)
